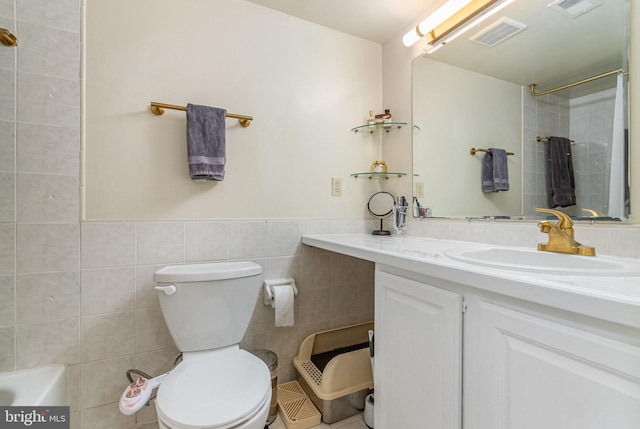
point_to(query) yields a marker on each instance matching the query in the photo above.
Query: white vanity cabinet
(529, 371)
(418, 355)
(520, 366)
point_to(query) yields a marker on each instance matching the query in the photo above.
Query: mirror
(380, 206)
(469, 95)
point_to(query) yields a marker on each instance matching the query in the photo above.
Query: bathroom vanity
(476, 336)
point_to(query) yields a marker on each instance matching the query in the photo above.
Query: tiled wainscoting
(83, 294)
(85, 297)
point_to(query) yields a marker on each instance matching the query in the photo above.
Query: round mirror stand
(380, 206)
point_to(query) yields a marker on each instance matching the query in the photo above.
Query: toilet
(207, 308)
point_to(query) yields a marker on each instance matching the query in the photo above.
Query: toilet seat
(214, 389)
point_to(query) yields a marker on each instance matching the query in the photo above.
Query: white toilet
(207, 308)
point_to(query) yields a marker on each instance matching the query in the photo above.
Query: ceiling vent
(498, 32)
(574, 8)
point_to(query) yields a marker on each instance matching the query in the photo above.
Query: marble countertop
(610, 297)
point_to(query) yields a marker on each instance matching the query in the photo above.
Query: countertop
(614, 298)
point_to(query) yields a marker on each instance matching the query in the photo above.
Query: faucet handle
(564, 221)
(593, 212)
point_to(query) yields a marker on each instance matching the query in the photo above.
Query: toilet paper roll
(283, 303)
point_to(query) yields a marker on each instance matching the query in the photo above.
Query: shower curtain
(617, 179)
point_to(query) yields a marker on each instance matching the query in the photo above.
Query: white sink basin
(546, 262)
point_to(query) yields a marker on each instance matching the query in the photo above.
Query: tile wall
(588, 120)
(547, 115)
(39, 182)
(120, 322)
(592, 130)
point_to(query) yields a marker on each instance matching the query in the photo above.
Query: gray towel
(206, 148)
(495, 172)
(561, 186)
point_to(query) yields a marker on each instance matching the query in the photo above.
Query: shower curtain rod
(532, 87)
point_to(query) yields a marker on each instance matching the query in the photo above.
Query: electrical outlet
(336, 186)
(419, 190)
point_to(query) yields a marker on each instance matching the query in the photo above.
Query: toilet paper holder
(268, 288)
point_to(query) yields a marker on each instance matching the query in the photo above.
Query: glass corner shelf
(378, 128)
(378, 176)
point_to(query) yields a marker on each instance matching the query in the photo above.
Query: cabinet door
(534, 373)
(417, 355)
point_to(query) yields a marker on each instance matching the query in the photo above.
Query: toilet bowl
(207, 308)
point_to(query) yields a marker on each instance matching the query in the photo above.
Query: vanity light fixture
(434, 20)
(470, 15)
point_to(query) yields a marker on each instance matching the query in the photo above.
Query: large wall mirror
(472, 95)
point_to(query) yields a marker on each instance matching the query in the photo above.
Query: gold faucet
(561, 238)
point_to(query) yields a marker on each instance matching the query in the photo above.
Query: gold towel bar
(539, 139)
(7, 39)
(532, 87)
(158, 109)
(473, 151)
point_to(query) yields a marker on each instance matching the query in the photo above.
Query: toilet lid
(214, 391)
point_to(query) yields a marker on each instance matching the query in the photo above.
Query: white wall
(305, 85)
(482, 112)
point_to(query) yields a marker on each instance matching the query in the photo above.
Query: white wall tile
(7, 95)
(247, 239)
(47, 296)
(73, 379)
(48, 149)
(7, 356)
(7, 300)
(64, 14)
(146, 295)
(106, 336)
(624, 242)
(151, 331)
(283, 267)
(283, 238)
(7, 56)
(45, 343)
(48, 198)
(7, 197)
(206, 241)
(102, 382)
(48, 100)
(7, 146)
(108, 244)
(108, 290)
(48, 247)
(7, 247)
(49, 51)
(7, 9)
(160, 242)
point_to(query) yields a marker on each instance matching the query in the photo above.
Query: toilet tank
(211, 305)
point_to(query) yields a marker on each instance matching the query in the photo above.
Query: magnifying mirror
(380, 206)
